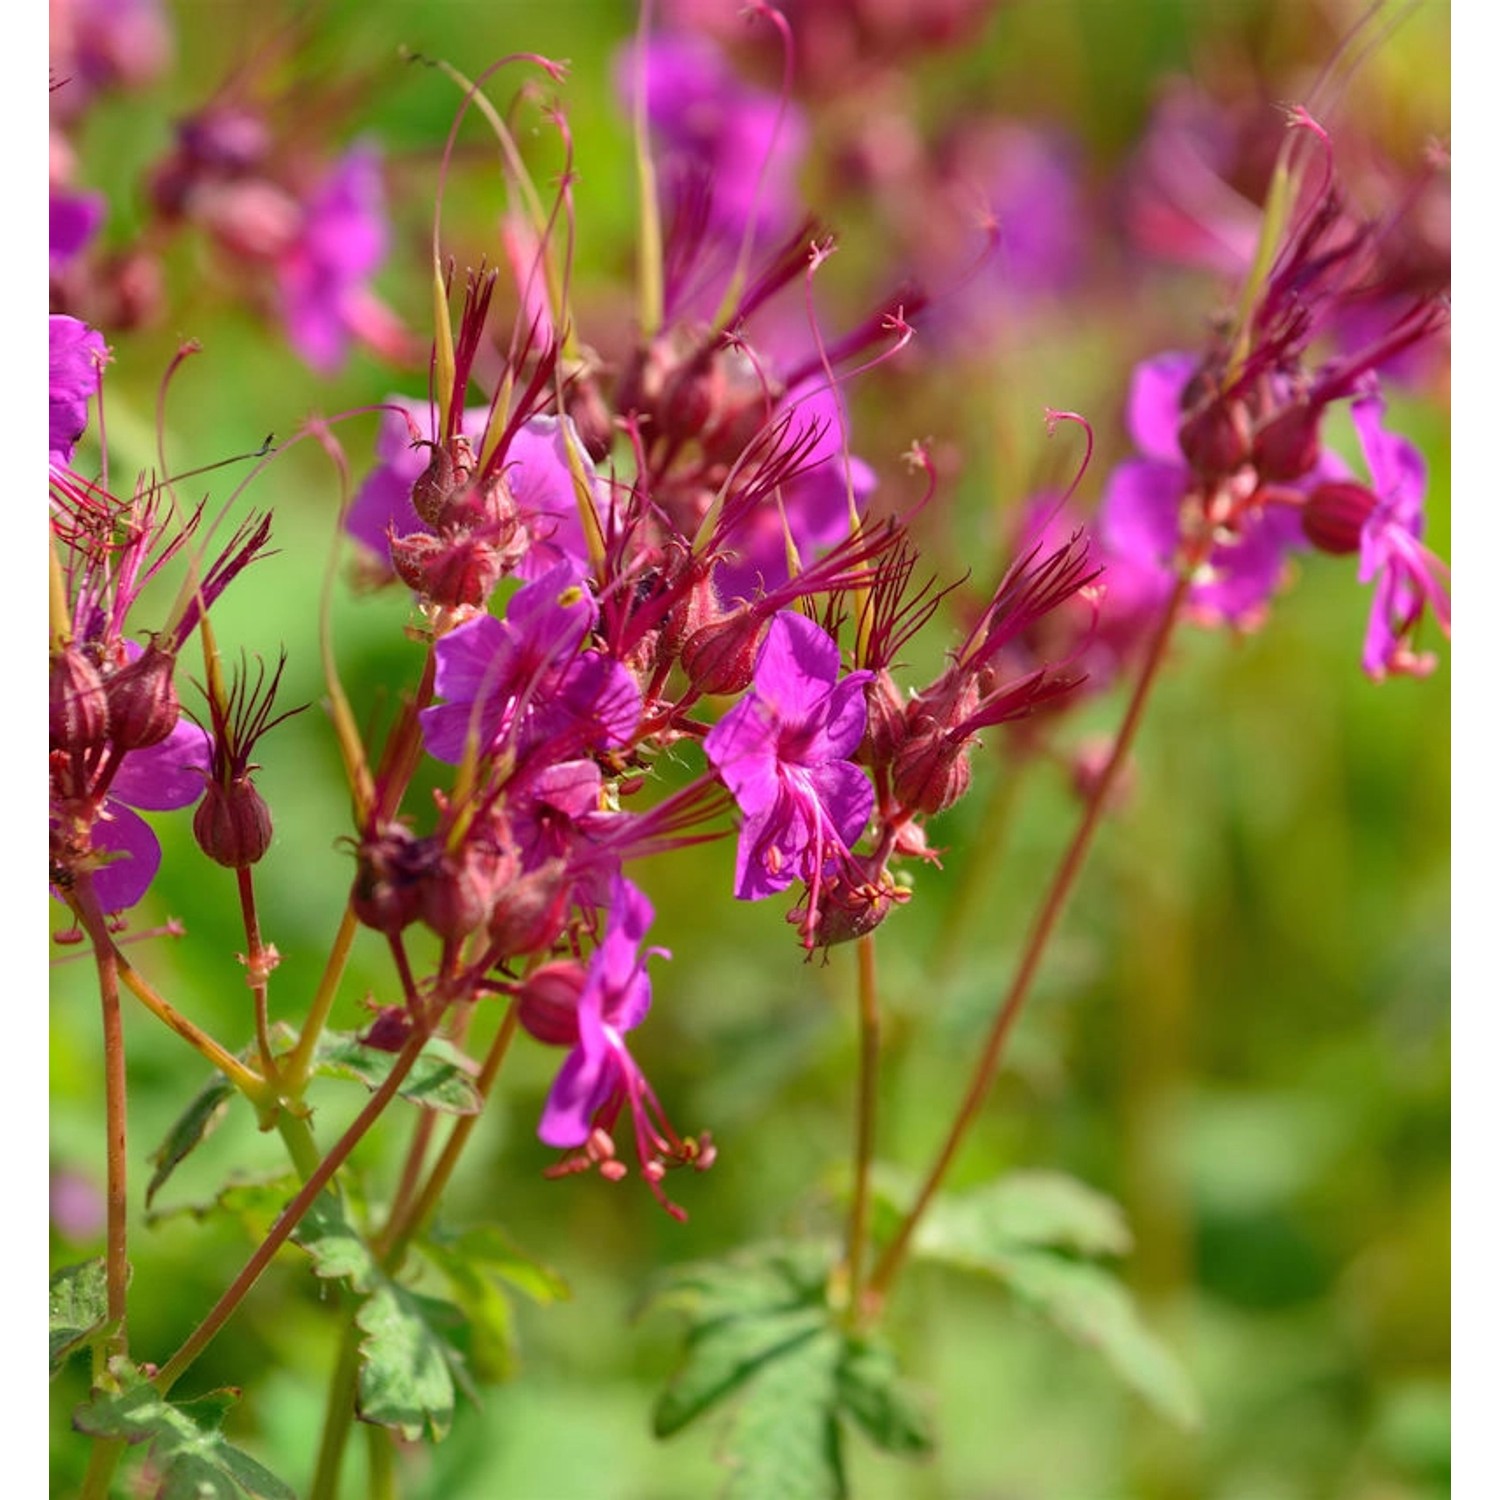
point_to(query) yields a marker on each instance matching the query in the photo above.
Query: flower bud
(885, 721)
(1335, 515)
(931, 772)
(386, 891)
(447, 472)
(143, 706)
(530, 914)
(547, 1003)
(78, 709)
(459, 889)
(1215, 439)
(1288, 445)
(720, 657)
(233, 824)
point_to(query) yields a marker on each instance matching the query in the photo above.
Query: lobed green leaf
(77, 1306)
(441, 1078)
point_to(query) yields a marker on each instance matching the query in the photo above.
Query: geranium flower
(784, 752)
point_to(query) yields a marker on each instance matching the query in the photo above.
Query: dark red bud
(530, 914)
(233, 824)
(386, 894)
(720, 658)
(1335, 515)
(1288, 445)
(885, 721)
(446, 473)
(931, 772)
(449, 572)
(143, 706)
(1215, 439)
(459, 890)
(78, 710)
(547, 1003)
(390, 1029)
(592, 419)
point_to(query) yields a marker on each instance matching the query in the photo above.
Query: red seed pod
(458, 889)
(592, 419)
(449, 571)
(1287, 446)
(530, 914)
(390, 1029)
(547, 1003)
(1215, 439)
(885, 721)
(720, 657)
(386, 894)
(233, 824)
(1335, 514)
(78, 708)
(447, 472)
(931, 772)
(143, 706)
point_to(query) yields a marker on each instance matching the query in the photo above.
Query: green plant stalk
(299, 1061)
(259, 962)
(292, 1214)
(245, 1079)
(406, 1220)
(868, 1089)
(338, 1414)
(1053, 903)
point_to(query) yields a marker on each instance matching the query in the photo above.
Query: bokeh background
(1241, 1032)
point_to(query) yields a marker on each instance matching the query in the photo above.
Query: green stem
(1053, 903)
(291, 1216)
(338, 1415)
(101, 1468)
(299, 1063)
(382, 1451)
(258, 965)
(864, 1118)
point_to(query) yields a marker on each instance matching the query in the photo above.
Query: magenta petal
(75, 354)
(1138, 515)
(846, 795)
(166, 775)
(581, 1087)
(135, 857)
(741, 746)
(541, 483)
(1154, 408)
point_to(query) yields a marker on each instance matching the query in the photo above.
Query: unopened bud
(459, 889)
(233, 824)
(386, 884)
(530, 913)
(1335, 515)
(547, 1003)
(931, 772)
(720, 657)
(1288, 445)
(143, 706)
(78, 710)
(1215, 439)
(447, 472)
(885, 721)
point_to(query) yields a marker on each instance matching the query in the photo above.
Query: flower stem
(292, 1214)
(259, 961)
(864, 1118)
(338, 1415)
(1051, 909)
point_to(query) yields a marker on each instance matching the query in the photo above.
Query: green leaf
(204, 1111)
(439, 1079)
(475, 1263)
(77, 1306)
(723, 1355)
(783, 1442)
(885, 1407)
(195, 1460)
(1023, 1209)
(337, 1250)
(762, 1278)
(255, 1201)
(491, 1248)
(1092, 1308)
(408, 1362)
(407, 1369)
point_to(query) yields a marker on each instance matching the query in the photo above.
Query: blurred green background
(1241, 1032)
